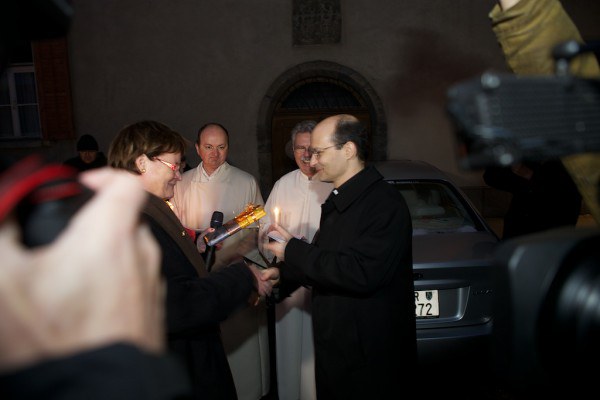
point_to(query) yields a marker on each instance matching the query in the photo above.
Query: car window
(435, 208)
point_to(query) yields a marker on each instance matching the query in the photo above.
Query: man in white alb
(215, 185)
(298, 200)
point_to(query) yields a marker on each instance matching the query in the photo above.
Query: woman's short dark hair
(151, 138)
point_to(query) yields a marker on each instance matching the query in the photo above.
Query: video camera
(547, 285)
(503, 119)
(43, 196)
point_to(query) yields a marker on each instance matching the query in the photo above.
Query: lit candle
(276, 215)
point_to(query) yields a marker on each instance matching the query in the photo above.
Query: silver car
(452, 261)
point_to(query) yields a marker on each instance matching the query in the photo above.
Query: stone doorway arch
(313, 90)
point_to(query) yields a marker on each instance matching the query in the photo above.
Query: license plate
(427, 304)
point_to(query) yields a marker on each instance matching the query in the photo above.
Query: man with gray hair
(297, 198)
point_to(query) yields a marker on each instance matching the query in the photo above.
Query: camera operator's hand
(506, 4)
(97, 283)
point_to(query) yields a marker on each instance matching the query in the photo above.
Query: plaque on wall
(316, 22)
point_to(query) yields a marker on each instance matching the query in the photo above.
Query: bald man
(216, 185)
(360, 271)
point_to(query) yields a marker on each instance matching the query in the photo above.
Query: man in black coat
(360, 271)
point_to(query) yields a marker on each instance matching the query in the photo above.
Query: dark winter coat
(360, 270)
(196, 303)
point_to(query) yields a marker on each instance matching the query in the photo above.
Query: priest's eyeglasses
(317, 152)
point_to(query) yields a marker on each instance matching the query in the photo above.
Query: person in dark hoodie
(89, 156)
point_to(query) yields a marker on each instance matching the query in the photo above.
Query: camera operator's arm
(528, 30)
(96, 284)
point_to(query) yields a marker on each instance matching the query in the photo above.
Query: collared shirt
(228, 190)
(205, 177)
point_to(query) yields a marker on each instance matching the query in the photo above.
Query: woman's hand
(263, 287)
(201, 243)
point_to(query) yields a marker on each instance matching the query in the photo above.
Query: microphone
(216, 221)
(250, 214)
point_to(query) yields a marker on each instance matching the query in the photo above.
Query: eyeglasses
(301, 149)
(317, 152)
(174, 167)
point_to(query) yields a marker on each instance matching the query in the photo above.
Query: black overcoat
(360, 271)
(196, 303)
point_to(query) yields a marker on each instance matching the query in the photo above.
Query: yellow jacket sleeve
(527, 33)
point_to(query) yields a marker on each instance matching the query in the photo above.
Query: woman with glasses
(196, 300)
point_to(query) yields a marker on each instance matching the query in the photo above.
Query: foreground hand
(506, 4)
(97, 283)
